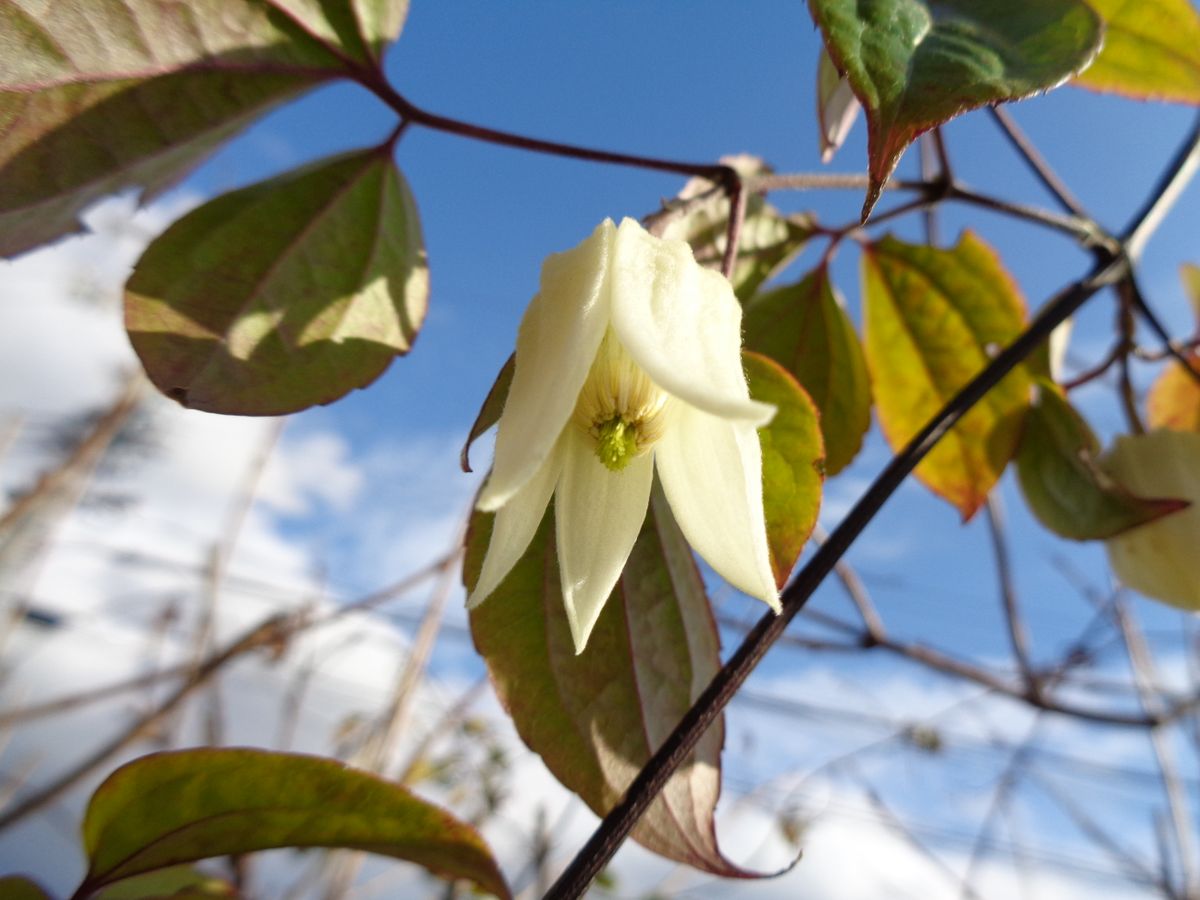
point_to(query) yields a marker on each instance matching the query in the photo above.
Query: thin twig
(1136, 870)
(363, 604)
(1126, 339)
(1138, 299)
(596, 853)
(1017, 635)
(1166, 193)
(885, 812)
(1037, 163)
(263, 634)
(810, 181)
(1096, 371)
(214, 582)
(857, 592)
(1086, 232)
(377, 749)
(375, 82)
(733, 231)
(1141, 661)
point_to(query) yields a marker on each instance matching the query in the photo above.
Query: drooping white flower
(628, 361)
(1162, 558)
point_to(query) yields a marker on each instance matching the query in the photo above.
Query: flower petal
(556, 343)
(514, 527)
(681, 323)
(711, 472)
(598, 515)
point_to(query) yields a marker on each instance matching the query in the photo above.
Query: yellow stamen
(620, 408)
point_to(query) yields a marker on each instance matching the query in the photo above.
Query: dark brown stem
(374, 81)
(733, 231)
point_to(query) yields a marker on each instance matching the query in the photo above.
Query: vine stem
(374, 81)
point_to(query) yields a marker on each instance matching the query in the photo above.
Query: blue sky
(691, 81)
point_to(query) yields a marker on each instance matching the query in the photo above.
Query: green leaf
(914, 64)
(96, 97)
(769, 240)
(804, 328)
(596, 718)
(179, 807)
(933, 320)
(16, 887)
(489, 413)
(284, 294)
(793, 462)
(1064, 486)
(1150, 50)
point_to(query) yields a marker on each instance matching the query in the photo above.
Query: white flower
(1160, 559)
(628, 360)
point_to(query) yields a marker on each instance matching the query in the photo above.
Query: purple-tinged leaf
(98, 97)
(596, 718)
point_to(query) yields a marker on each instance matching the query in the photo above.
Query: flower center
(620, 408)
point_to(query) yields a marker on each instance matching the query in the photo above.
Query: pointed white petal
(711, 472)
(598, 514)
(514, 527)
(681, 323)
(556, 343)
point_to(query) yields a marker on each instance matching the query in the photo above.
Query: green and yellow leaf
(804, 328)
(934, 319)
(793, 461)
(1150, 50)
(284, 294)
